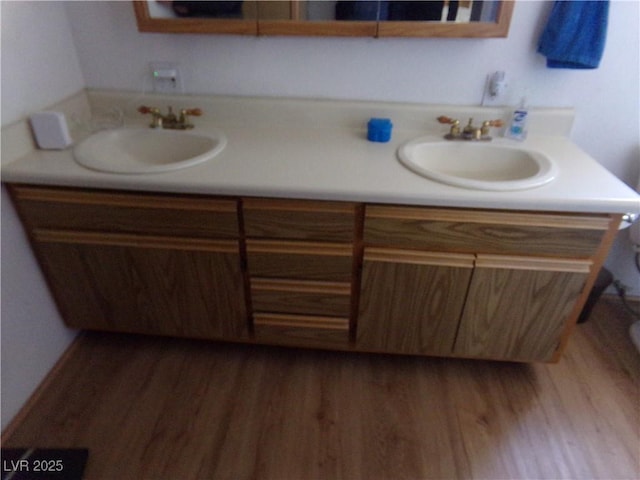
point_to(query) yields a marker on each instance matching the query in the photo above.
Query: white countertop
(338, 163)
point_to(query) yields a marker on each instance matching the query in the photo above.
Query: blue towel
(575, 34)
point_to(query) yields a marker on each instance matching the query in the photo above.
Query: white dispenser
(50, 130)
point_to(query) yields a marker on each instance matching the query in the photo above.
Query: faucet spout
(170, 120)
(454, 131)
(470, 132)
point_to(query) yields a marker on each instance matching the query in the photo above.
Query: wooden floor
(153, 408)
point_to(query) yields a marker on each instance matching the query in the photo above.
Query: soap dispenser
(517, 128)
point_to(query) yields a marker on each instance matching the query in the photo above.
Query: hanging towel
(575, 34)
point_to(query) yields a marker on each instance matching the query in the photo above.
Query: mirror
(382, 18)
(203, 9)
(318, 17)
(166, 16)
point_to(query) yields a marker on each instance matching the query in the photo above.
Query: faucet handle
(454, 132)
(194, 112)
(493, 123)
(486, 125)
(447, 120)
(185, 113)
(144, 109)
(155, 112)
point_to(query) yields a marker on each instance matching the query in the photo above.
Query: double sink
(500, 165)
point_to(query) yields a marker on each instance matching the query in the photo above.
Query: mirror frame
(500, 28)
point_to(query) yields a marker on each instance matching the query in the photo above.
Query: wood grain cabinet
(489, 284)
(300, 257)
(156, 264)
(513, 295)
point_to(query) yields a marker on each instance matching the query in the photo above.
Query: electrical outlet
(166, 77)
(494, 89)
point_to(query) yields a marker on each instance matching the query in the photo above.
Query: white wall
(39, 68)
(39, 61)
(114, 55)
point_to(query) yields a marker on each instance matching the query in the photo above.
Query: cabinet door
(411, 301)
(518, 307)
(152, 285)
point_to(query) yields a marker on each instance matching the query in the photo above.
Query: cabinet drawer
(299, 330)
(137, 213)
(299, 260)
(465, 231)
(301, 296)
(299, 220)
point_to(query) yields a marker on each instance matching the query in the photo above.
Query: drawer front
(299, 220)
(300, 296)
(300, 260)
(166, 215)
(299, 330)
(464, 231)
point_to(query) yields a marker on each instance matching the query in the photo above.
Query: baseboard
(629, 298)
(40, 389)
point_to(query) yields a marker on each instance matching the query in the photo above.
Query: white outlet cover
(166, 77)
(494, 84)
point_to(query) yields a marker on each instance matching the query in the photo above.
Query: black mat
(43, 463)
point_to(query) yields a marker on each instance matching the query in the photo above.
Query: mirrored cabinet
(371, 18)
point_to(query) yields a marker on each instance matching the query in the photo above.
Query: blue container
(379, 130)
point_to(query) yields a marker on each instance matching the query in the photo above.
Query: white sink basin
(491, 165)
(146, 150)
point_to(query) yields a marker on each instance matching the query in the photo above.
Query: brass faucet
(170, 120)
(470, 132)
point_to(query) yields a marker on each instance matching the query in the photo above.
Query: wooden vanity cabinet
(301, 264)
(133, 262)
(531, 273)
(450, 282)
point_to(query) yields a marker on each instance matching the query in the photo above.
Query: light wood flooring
(159, 408)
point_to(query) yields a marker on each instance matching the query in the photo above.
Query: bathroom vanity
(311, 236)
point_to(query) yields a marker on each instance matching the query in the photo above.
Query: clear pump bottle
(517, 128)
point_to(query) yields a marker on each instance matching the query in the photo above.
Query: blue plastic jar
(379, 130)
